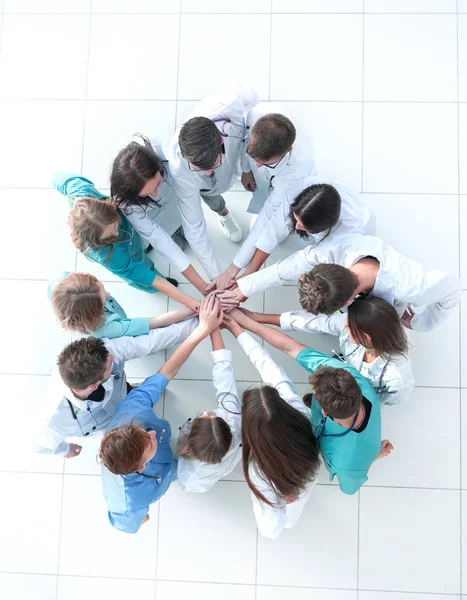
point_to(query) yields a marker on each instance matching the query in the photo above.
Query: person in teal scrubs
(106, 236)
(81, 304)
(345, 410)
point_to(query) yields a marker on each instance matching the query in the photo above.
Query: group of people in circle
(350, 284)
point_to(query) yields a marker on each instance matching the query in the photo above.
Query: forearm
(171, 291)
(276, 338)
(174, 316)
(176, 360)
(216, 340)
(195, 278)
(259, 258)
(267, 319)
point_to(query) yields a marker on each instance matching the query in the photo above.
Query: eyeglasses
(263, 164)
(192, 168)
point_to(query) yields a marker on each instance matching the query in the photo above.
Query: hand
(75, 450)
(211, 314)
(221, 281)
(248, 181)
(386, 448)
(248, 313)
(146, 518)
(235, 296)
(232, 325)
(407, 317)
(194, 306)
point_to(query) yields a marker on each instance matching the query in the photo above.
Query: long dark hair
(379, 320)
(278, 441)
(131, 170)
(318, 207)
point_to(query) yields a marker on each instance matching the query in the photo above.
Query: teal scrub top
(116, 324)
(127, 259)
(349, 456)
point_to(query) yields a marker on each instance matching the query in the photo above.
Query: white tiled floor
(381, 87)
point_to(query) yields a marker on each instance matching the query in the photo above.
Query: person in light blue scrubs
(345, 415)
(81, 304)
(105, 235)
(137, 462)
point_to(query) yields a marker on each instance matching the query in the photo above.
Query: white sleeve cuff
(221, 355)
(286, 321)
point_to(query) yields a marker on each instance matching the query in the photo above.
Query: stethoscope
(75, 417)
(157, 477)
(225, 120)
(322, 426)
(343, 358)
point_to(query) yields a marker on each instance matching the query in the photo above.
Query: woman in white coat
(313, 208)
(372, 340)
(144, 191)
(279, 451)
(210, 446)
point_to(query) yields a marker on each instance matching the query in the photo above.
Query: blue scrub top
(116, 324)
(128, 496)
(127, 258)
(349, 456)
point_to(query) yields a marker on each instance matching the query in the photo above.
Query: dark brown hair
(318, 207)
(83, 363)
(133, 167)
(379, 320)
(209, 440)
(277, 441)
(326, 288)
(122, 448)
(78, 304)
(200, 142)
(336, 391)
(272, 135)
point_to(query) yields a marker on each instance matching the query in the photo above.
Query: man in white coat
(334, 273)
(273, 159)
(91, 381)
(204, 157)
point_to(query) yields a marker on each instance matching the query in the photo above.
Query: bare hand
(386, 448)
(248, 313)
(146, 518)
(211, 314)
(75, 450)
(221, 281)
(407, 317)
(232, 325)
(248, 181)
(235, 296)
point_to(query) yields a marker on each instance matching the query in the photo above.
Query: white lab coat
(273, 223)
(271, 520)
(156, 224)
(232, 103)
(392, 379)
(194, 475)
(400, 281)
(59, 424)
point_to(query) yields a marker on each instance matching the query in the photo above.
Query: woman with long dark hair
(371, 337)
(279, 450)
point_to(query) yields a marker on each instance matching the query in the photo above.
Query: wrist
(233, 270)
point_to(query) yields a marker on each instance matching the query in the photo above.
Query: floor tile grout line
(281, 100)
(270, 51)
(60, 531)
(363, 96)
(86, 84)
(178, 64)
(221, 13)
(460, 312)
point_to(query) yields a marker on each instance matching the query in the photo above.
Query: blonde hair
(78, 304)
(87, 218)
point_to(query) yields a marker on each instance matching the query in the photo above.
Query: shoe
(230, 228)
(172, 281)
(179, 238)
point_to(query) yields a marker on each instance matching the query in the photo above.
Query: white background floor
(381, 87)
